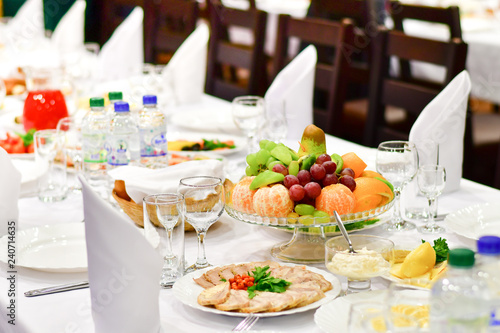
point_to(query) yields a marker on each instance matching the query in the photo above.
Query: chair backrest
(497, 170)
(330, 77)
(223, 54)
(411, 96)
(449, 16)
(113, 12)
(167, 24)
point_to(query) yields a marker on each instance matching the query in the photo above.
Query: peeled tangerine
(242, 196)
(336, 197)
(272, 201)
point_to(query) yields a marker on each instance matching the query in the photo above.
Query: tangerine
(242, 196)
(352, 161)
(272, 201)
(336, 197)
(371, 193)
(371, 174)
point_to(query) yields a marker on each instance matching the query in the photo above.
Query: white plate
(207, 120)
(51, 248)
(475, 221)
(332, 317)
(239, 142)
(187, 291)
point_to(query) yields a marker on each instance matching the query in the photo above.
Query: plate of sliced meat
(210, 289)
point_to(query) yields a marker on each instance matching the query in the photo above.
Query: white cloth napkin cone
(443, 121)
(184, 75)
(69, 34)
(140, 182)
(294, 85)
(123, 54)
(10, 180)
(124, 270)
(28, 23)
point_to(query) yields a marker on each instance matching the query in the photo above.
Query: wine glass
(413, 303)
(72, 147)
(276, 127)
(370, 316)
(398, 162)
(431, 180)
(167, 210)
(249, 114)
(204, 199)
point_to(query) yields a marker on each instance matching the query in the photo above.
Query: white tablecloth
(228, 241)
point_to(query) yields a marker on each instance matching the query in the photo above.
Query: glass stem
(250, 144)
(169, 254)
(201, 261)
(397, 206)
(432, 208)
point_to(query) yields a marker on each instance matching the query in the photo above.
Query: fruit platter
(300, 190)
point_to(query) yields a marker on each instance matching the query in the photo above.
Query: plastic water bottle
(459, 302)
(113, 96)
(488, 270)
(153, 133)
(123, 138)
(94, 128)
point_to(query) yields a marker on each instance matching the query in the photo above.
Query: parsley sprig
(265, 282)
(441, 248)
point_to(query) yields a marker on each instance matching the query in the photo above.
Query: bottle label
(93, 148)
(153, 142)
(118, 152)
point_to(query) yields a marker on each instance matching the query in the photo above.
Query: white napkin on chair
(124, 270)
(28, 23)
(294, 85)
(184, 75)
(443, 121)
(123, 54)
(140, 182)
(10, 179)
(69, 34)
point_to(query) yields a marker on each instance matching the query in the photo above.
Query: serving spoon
(343, 231)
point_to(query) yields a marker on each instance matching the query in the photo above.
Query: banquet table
(228, 241)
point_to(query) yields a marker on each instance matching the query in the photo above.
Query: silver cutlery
(57, 289)
(247, 323)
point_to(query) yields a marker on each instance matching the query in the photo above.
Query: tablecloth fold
(10, 180)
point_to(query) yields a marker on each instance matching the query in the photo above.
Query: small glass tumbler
(49, 155)
(164, 227)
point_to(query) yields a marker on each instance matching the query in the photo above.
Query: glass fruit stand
(307, 244)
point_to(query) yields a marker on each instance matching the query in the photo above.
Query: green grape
(270, 160)
(262, 156)
(270, 145)
(321, 216)
(306, 219)
(252, 159)
(248, 171)
(304, 209)
(263, 143)
(270, 166)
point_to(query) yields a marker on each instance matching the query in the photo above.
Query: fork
(247, 323)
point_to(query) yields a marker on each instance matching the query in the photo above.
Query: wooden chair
(449, 17)
(410, 96)
(224, 56)
(330, 77)
(167, 24)
(113, 12)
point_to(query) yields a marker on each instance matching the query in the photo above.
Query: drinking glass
(370, 317)
(276, 127)
(48, 145)
(72, 147)
(413, 303)
(167, 210)
(204, 199)
(249, 115)
(431, 180)
(398, 162)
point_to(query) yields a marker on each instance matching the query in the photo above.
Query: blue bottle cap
(121, 107)
(489, 245)
(149, 99)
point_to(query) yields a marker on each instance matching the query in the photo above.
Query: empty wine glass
(431, 180)
(72, 147)
(398, 162)
(167, 210)
(276, 127)
(249, 115)
(204, 199)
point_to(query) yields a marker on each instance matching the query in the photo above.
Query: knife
(57, 289)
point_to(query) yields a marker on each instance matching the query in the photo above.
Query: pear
(313, 141)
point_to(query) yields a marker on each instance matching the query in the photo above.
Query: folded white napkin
(10, 189)
(443, 121)
(123, 54)
(28, 23)
(184, 75)
(68, 36)
(294, 85)
(140, 182)
(124, 270)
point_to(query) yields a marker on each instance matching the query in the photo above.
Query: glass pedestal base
(303, 248)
